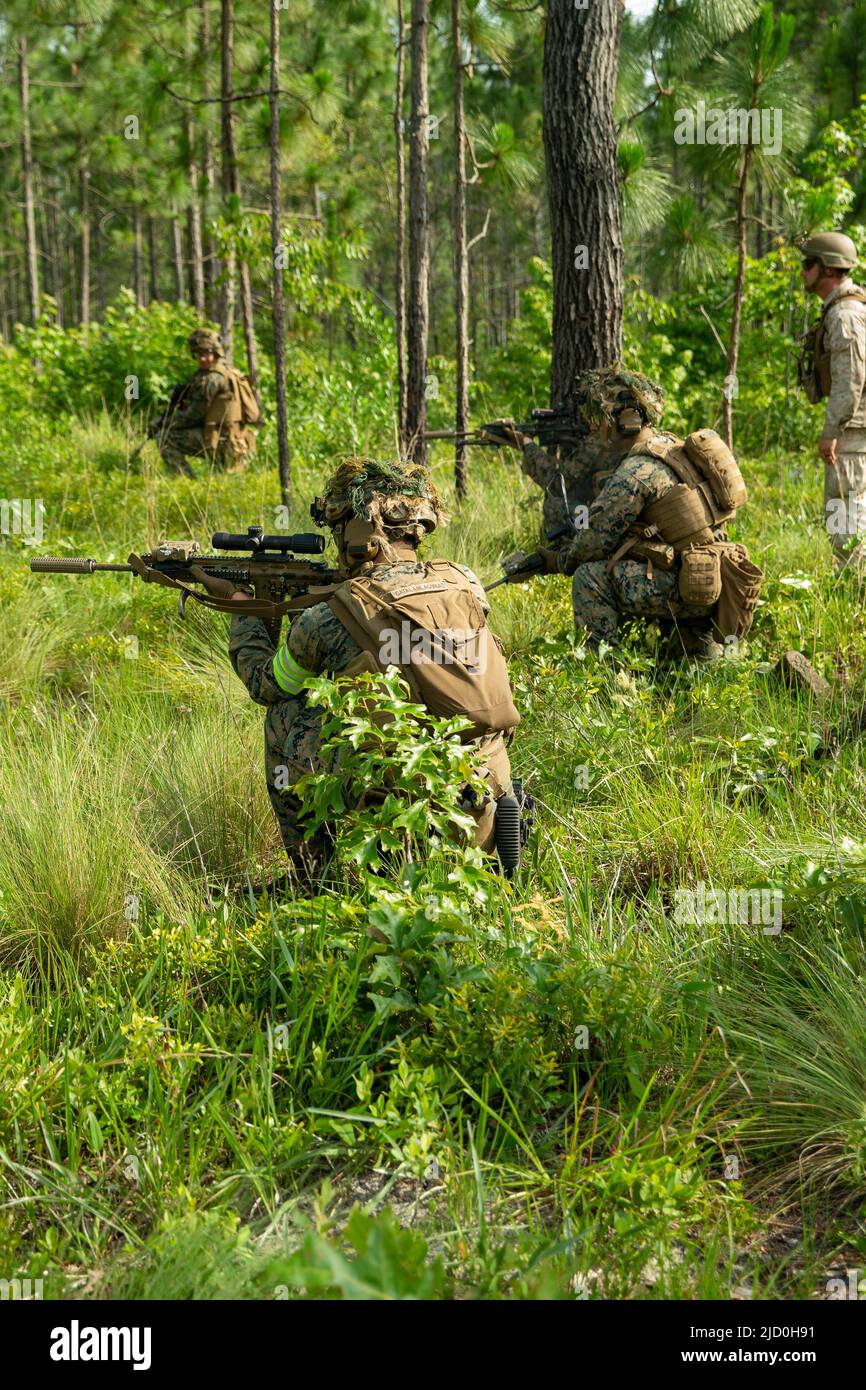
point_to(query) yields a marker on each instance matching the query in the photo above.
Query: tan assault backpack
(250, 410)
(433, 628)
(710, 491)
(240, 411)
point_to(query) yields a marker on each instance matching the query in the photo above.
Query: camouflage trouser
(176, 446)
(845, 497)
(292, 738)
(600, 599)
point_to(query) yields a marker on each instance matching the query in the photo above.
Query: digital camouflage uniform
(631, 588)
(573, 478)
(316, 644)
(845, 421)
(568, 480)
(196, 428)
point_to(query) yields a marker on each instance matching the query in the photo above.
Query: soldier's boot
(698, 644)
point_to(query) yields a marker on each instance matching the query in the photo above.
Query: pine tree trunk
(72, 279)
(97, 259)
(419, 238)
(211, 268)
(45, 241)
(229, 170)
(30, 249)
(249, 326)
(177, 247)
(193, 223)
(151, 251)
(581, 52)
(400, 266)
(85, 243)
(461, 259)
(278, 306)
(137, 257)
(739, 290)
(54, 233)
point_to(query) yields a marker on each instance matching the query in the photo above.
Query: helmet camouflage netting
(598, 394)
(396, 494)
(205, 340)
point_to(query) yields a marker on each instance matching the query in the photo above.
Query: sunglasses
(809, 262)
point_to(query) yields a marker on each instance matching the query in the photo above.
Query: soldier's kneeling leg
(594, 601)
(292, 740)
(177, 446)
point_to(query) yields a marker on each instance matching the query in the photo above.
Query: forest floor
(593, 1098)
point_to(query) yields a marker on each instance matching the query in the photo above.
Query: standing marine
(213, 416)
(655, 544)
(378, 513)
(832, 368)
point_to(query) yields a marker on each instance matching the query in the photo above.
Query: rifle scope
(305, 543)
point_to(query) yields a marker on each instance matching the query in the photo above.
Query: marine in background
(215, 415)
(832, 368)
(571, 477)
(655, 543)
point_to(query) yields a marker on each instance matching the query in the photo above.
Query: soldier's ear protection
(359, 539)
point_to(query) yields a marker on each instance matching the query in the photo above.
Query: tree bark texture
(461, 259)
(581, 53)
(278, 304)
(400, 261)
(419, 238)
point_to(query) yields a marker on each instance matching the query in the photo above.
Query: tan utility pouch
(741, 588)
(433, 628)
(700, 577)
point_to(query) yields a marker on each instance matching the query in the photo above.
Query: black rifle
(552, 429)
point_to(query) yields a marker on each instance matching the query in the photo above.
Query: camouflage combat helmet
(832, 249)
(394, 496)
(205, 340)
(626, 400)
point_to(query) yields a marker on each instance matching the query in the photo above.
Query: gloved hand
(218, 588)
(503, 432)
(539, 562)
(550, 559)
